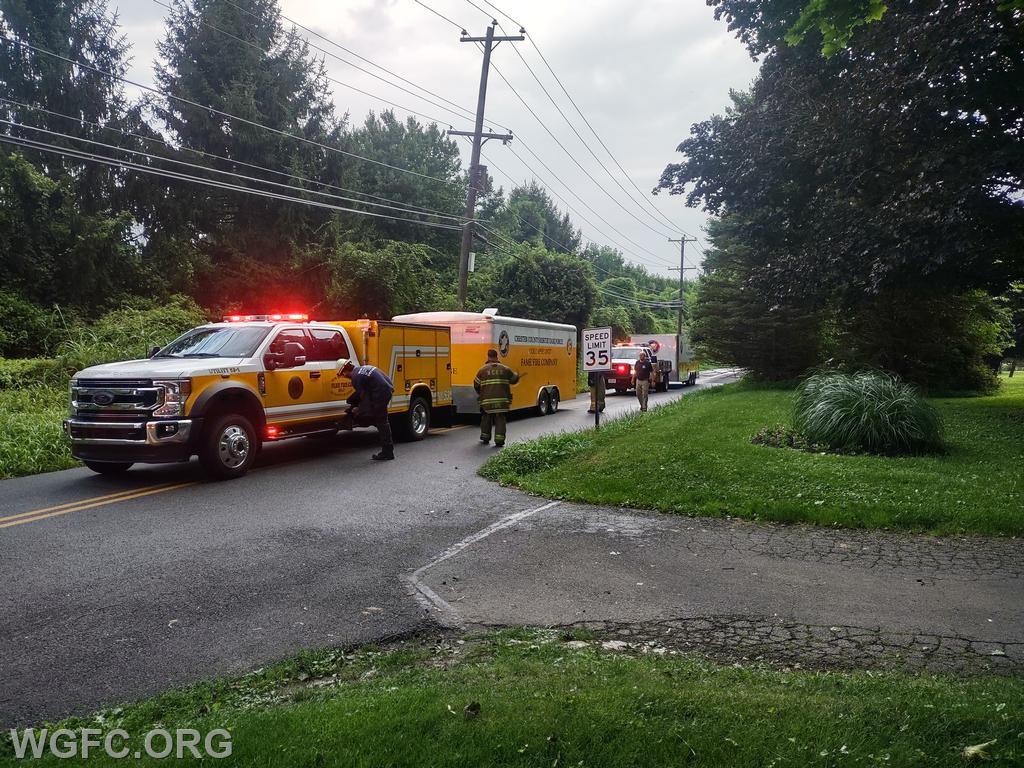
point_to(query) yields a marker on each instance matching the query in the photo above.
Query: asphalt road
(115, 588)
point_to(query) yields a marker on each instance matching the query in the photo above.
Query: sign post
(597, 357)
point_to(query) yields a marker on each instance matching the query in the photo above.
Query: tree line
(79, 238)
(869, 203)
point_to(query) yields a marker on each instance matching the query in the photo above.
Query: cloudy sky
(642, 72)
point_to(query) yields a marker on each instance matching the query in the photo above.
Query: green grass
(31, 438)
(544, 704)
(695, 457)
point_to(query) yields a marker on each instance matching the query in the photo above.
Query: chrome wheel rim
(419, 419)
(233, 447)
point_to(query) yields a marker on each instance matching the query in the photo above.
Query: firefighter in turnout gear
(493, 385)
(373, 391)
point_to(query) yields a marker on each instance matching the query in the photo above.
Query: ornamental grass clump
(869, 412)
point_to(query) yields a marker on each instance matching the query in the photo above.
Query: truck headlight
(176, 392)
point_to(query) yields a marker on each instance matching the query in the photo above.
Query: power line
(332, 79)
(584, 203)
(215, 170)
(363, 58)
(587, 122)
(583, 141)
(114, 162)
(411, 208)
(579, 165)
(572, 127)
(496, 8)
(458, 26)
(569, 206)
(228, 115)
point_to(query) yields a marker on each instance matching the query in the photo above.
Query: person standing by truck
(642, 370)
(493, 385)
(374, 390)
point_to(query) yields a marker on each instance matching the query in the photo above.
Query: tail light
(622, 369)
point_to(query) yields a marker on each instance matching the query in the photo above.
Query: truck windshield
(627, 353)
(216, 342)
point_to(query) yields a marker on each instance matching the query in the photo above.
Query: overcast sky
(642, 72)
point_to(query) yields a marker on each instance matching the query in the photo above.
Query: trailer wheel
(543, 404)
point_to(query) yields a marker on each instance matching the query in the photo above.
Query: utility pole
(682, 271)
(489, 42)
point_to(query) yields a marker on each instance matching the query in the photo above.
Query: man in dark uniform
(642, 370)
(373, 391)
(493, 385)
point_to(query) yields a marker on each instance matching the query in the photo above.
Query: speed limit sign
(597, 349)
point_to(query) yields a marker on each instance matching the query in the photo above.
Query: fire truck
(222, 390)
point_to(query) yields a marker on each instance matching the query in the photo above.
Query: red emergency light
(622, 368)
(277, 317)
(272, 431)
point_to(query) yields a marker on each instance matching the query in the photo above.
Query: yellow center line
(127, 492)
(99, 501)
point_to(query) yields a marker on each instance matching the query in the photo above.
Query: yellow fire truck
(223, 389)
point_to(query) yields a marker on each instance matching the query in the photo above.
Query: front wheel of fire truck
(229, 447)
(108, 467)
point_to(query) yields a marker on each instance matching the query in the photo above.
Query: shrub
(868, 411)
(31, 439)
(128, 332)
(25, 329)
(535, 455)
(781, 436)
(31, 371)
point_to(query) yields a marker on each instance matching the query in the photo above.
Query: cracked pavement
(742, 591)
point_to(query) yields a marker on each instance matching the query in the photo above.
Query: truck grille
(115, 396)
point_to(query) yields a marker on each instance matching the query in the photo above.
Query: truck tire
(555, 401)
(229, 447)
(544, 404)
(414, 424)
(108, 467)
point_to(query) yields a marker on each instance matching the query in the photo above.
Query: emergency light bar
(292, 317)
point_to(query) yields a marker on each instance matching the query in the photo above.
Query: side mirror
(291, 355)
(154, 351)
(294, 354)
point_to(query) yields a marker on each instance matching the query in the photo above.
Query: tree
(51, 252)
(732, 322)
(921, 189)
(543, 284)
(382, 279)
(76, 30)
(767, 23)
(237, 58)
(426, 150)
(530, 216)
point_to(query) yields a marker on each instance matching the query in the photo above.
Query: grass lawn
(694, 456)
(31, 438)
(542, 703)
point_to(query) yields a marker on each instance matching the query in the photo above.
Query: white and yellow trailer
(542, 353)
